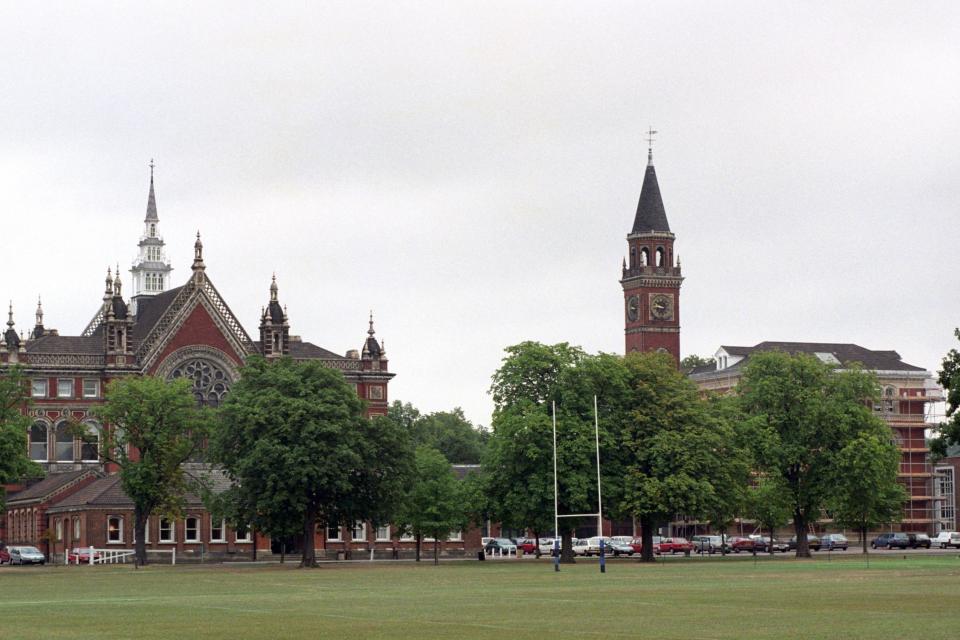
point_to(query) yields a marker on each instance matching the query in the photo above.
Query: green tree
(866, 492)
(693, 360)
(803, 413)
(949, 378)
(450, 433)
(293, 439)
(684, 453)
(768, 502)
(151, 427)
(14, 425)
(435, 504)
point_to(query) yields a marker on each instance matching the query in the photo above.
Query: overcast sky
(469, 171)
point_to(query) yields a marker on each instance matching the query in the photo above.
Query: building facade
(905, 393)
(187, 331)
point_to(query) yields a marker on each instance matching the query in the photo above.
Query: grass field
(507, 600)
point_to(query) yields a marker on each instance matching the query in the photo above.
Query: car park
(918, 540)
(834, 541)
(26, 555)
(891, 541)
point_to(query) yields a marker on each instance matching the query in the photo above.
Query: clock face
(633, 308)
(661, 306)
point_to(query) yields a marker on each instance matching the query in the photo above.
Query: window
(383, 532)
(91, 388)
(38, 388)
(455, 536)
(90, 443)
(216, 531)
(359, 531)
(333, 533)
(76, 529)
(191, 530)
(376, 392)
(406, 536)
(59, 527)
(153, 230)
(38, 441)
(167, 532)
(644, 257)
(64, 443)
(65, 388)
(660, 256)
(247, 537)
(114, 530)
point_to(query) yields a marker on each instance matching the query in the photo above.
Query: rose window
(210, 382)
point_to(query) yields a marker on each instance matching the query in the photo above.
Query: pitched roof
(651, 215)
(844, 353)
(49, 486)
(310, 351)
(66, 344)
(150, 309)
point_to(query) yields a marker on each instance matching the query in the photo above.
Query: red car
(81, 556)
(740, 544)
(527, 545)
(4, 556)
(676, 545)
(637, 544)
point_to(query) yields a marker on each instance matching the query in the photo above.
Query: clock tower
(651, 276)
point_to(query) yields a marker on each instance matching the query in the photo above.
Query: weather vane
(151, 165)
(650, 133)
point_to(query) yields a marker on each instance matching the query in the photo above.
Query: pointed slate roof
(651, 215)
(151, 203)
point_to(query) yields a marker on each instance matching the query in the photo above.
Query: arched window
(90, 443)
(660, 256)
(38, 441)
(210, 382)
(889, 395)
(64, 443)
(644, 257)
(633, 257)
(153, 230)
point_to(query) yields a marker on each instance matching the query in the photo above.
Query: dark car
(891, 541)
(812, 541)
(617, 548)
(834, 541)
(918, 540)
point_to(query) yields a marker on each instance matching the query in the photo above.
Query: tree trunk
(771, 541)
(419, 540)
(800, 528)
(436, 557)
(566, 548)
(646, 537)
(536, 541)
(347, 542)
(863, 537)
(139, 533)
(309, 557)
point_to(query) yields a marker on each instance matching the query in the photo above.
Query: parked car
(617, 548)
(637, 544)
(527, 545)
(813, 542)
(738, 544)
(952, 539)
(546, 546)
(918, 540)
(82, 556)
(26, 555)
(501, 546)
(4, 556)
(943, 536)
(891, 541)
(580, 546)
(675, 545)
(834, 541)
(708, 544)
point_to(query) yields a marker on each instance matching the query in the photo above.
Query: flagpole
(556, 503)
(596, 432)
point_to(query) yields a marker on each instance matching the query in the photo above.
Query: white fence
(92, 556)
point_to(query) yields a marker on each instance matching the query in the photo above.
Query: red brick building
(186, 331)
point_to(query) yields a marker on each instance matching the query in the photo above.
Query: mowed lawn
(515, 600)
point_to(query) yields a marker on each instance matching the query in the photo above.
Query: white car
(946, 539)
(546, 546)
(581, 546)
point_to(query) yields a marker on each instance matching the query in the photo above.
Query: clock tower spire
(651, 276)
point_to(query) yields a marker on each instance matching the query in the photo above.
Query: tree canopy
(293, 438)
(151, 427)
(949, 379)
(803, 414)
(449, 432)
(14, 425)
(435, 503)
